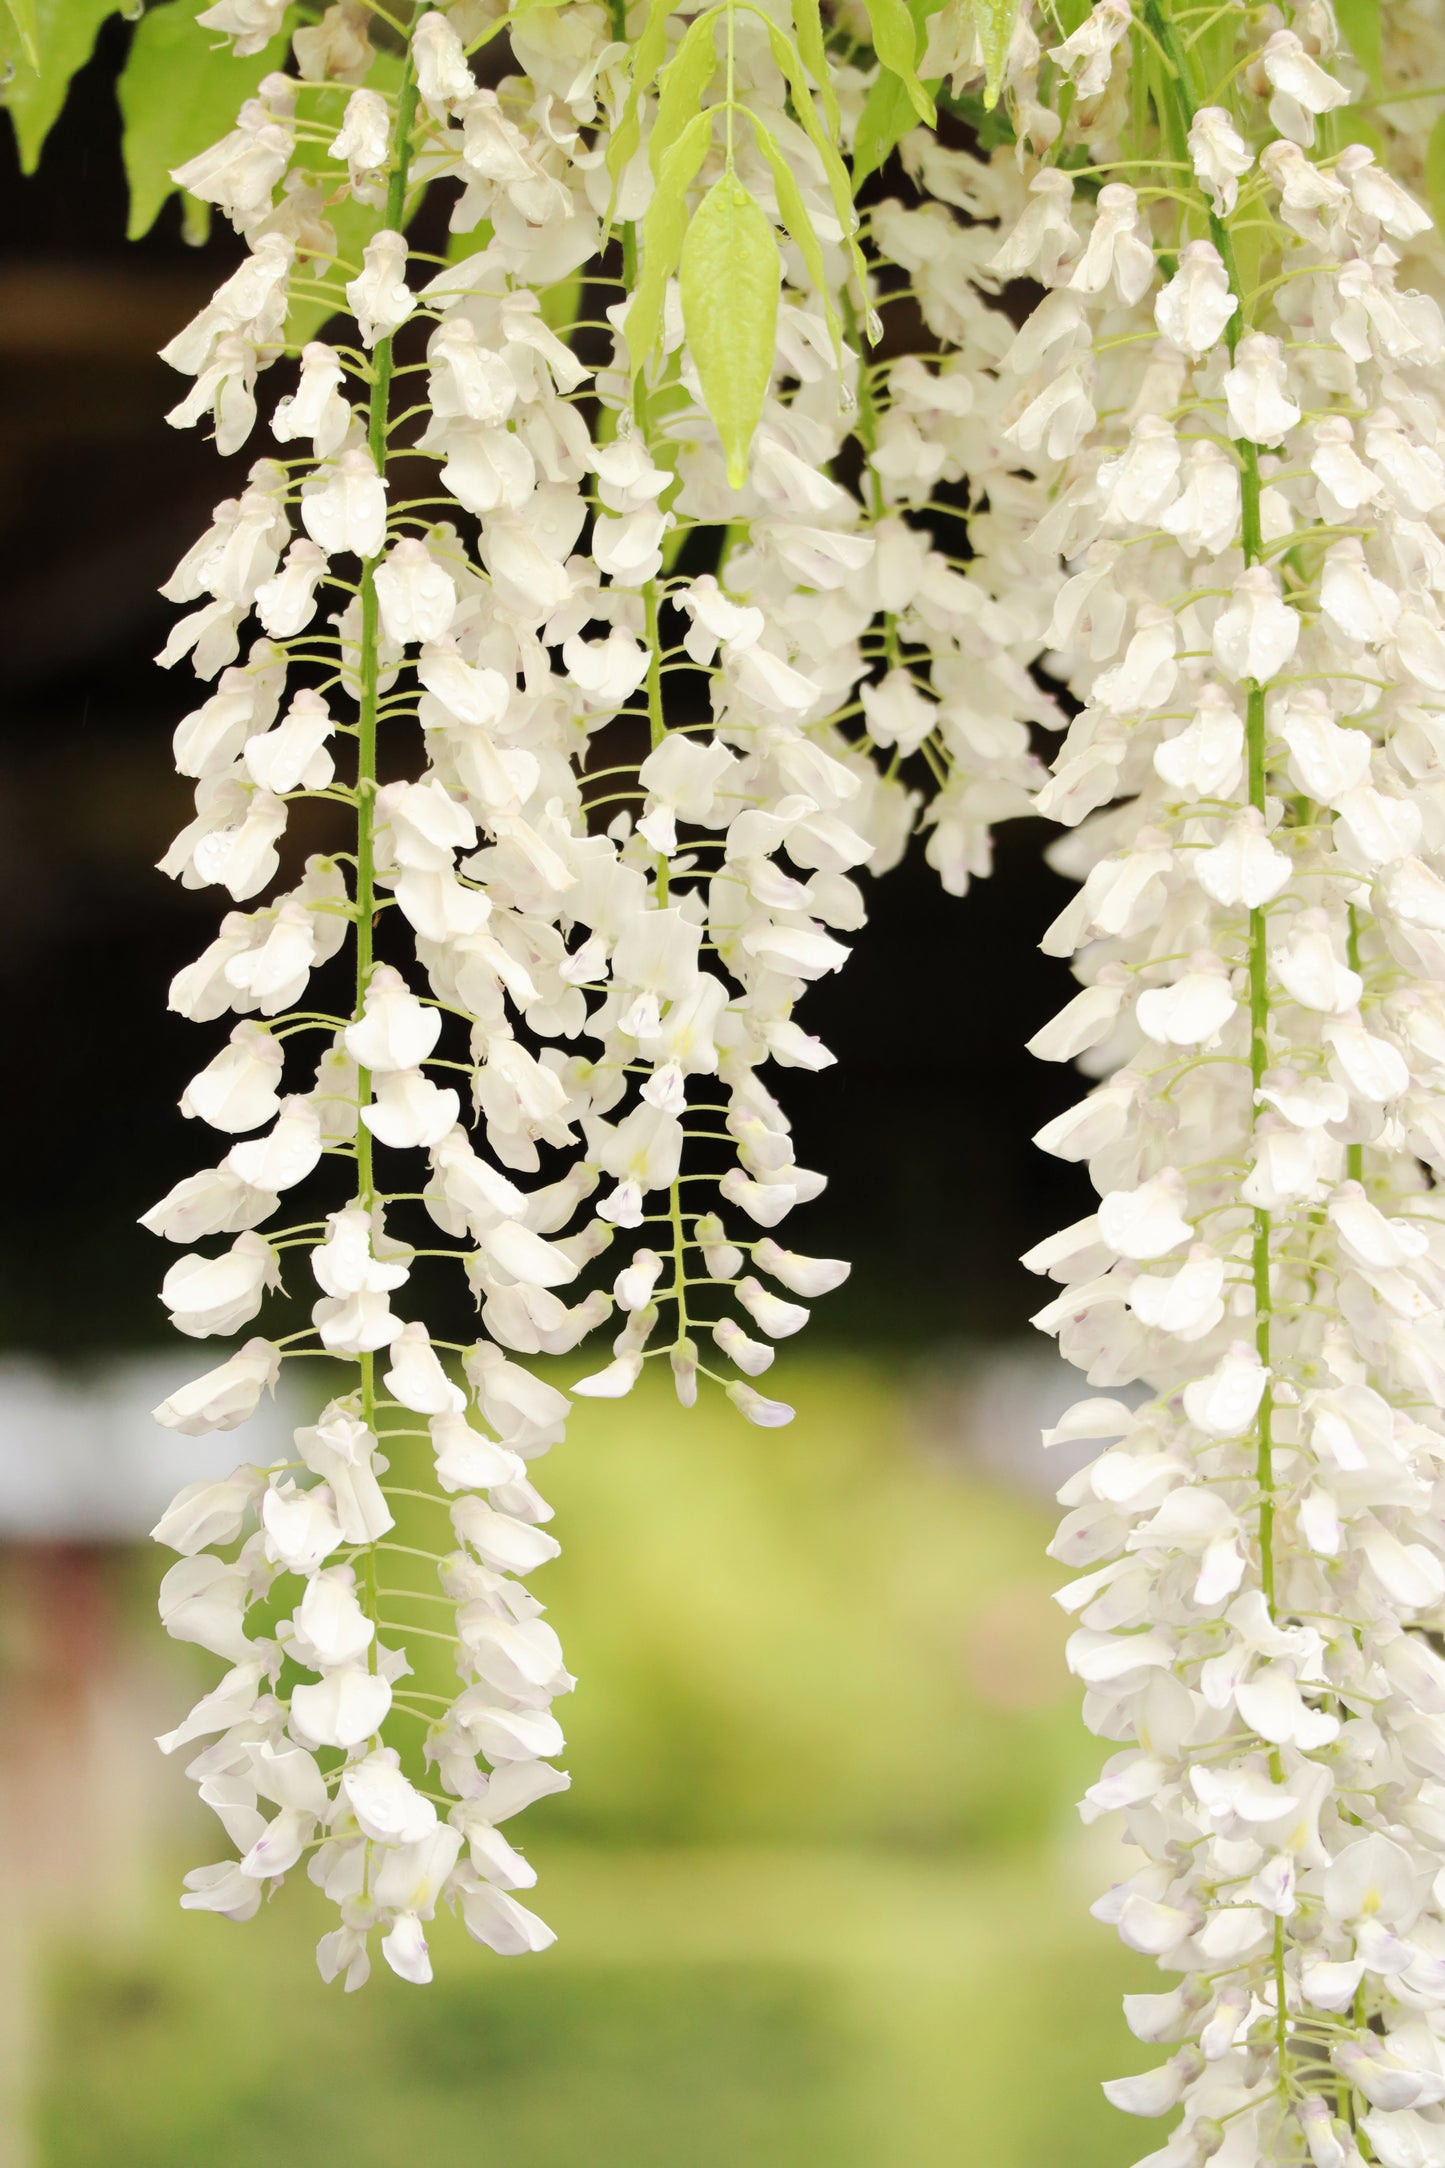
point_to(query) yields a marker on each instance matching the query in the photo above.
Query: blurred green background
(820, 1889)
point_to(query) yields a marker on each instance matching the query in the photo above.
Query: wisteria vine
(763, 515)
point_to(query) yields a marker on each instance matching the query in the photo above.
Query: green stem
(656, 715)
(868, 438)
(366, 768)
(1258, 1063)
(656, 732)
(1255, 735)
(731, 81)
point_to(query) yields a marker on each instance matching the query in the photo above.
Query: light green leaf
(662, 236)
(681, 87)
(839, 184)
(1141, 54)
(994, 20)
(808, 26)
(648, 57)
(27, 29)
(1213, 48)
(64, 33)
(180, 91)
(888, 111)
(730, 274)
(1360, 22)
(1435, 173)
(795, 218)
(895, 41)
(885, 120)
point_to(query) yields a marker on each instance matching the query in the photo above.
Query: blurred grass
(817, 1886)
(813, 1634)
(705, 2008)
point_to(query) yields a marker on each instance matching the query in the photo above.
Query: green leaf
(1435, 173)
(888, 112)
(63, 32)
(840, 186)
(730, 273)
(885, 120)
(991, 129)
(27, 29)
(895, 41)
(994, 21)
(1360, 22)
(795, 218)
(180, 91)
(662, 237)
(650, 53)
(808, 27)
(681, 87)
(1141, 53)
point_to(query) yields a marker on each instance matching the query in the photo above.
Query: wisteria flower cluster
(1237, 398)
(549, 615)
(650, 565)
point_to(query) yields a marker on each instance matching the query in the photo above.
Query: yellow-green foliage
(817, 1635)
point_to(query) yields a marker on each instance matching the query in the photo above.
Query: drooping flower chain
(607, 991)
(1239, 406)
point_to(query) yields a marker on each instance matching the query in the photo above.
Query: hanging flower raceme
(1247, 501)
(963, 603)
(514, 526)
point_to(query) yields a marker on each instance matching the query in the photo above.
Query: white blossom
(1221, 157)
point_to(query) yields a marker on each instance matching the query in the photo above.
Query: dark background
(924, 1126)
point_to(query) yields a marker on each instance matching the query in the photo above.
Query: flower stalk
(378, 435)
